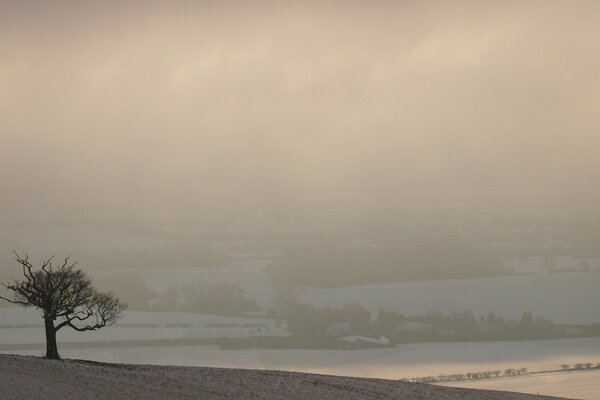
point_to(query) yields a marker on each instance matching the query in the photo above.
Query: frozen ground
(34, 378)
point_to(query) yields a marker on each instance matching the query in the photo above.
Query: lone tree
(65, 296)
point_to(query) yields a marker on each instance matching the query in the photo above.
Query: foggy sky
(175, 107)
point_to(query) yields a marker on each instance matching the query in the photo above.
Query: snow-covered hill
(35, 378)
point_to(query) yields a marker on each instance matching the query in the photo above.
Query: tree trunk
(51, 349)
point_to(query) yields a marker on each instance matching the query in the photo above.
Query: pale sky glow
(196, 103)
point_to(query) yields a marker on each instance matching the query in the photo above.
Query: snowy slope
(34, 378)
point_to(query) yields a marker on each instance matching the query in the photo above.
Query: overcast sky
(172, 106)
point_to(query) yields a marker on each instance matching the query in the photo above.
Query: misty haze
(402, 191)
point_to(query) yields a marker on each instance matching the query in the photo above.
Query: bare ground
(33, 378)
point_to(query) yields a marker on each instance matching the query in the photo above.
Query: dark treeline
(210, 298)
(307, 321)
(334, 266)
(222, 299)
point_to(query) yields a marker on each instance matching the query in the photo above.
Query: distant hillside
(334, 266)
(31, 378)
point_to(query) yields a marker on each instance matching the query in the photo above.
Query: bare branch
(14, 301)
(65, 293)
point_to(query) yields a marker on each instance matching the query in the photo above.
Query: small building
(363, 342)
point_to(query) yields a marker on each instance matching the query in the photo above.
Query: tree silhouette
(65, 296)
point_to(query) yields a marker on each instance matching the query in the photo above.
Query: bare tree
(65, 296)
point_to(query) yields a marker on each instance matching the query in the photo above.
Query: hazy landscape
(156, 331)
(340, 199)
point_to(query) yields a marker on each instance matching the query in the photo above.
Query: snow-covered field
(134, 326)
(404, 361)
(15, 315)
(410, 360)
(579, 385)
(33, 378)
